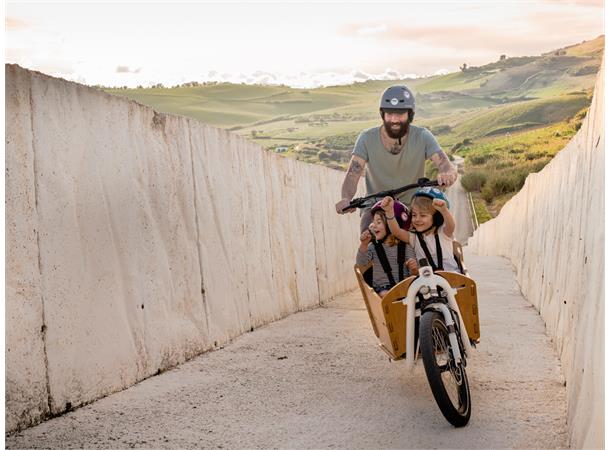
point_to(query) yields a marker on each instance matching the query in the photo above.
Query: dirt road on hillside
(318, 380)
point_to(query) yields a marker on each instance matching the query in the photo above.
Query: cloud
(13, 24)
(596, 3)
(532, 34)
(371, 30)
(126, 69)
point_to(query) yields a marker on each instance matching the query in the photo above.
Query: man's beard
(398, 134)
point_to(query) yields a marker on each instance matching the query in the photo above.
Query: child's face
(421, 219)
(378, 227)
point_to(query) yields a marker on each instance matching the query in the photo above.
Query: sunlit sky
(300, 44)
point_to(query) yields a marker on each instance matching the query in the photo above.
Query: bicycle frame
(427, 283)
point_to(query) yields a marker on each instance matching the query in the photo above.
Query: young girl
(432, 227)
(386, 251)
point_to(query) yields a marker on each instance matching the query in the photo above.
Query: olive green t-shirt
(387, 171)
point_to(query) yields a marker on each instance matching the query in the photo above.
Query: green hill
(501, 100)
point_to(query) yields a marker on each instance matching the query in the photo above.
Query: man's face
(395, 122)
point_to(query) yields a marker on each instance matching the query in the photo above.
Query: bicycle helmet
(401, 212)
(432, 193)
(397, 97)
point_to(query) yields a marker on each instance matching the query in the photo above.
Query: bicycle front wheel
(447, 379)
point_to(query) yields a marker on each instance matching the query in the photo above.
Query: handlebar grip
(352, 205)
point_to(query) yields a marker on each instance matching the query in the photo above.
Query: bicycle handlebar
(362, 202)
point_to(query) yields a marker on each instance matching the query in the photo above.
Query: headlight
(425, 290)
(426, 271)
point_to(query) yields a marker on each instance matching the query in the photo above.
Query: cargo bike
(433, 315)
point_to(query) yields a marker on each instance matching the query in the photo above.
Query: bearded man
(393, 154)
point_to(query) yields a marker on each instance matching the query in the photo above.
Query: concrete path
(317, 380)
(460, 207)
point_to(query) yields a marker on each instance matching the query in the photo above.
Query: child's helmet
(401, 212)
(432, 193)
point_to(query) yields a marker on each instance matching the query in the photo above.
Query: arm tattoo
(350, 184)
(444, 165)
(355, 168)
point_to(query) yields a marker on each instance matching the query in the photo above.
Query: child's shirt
(449, 262)
(380, 278)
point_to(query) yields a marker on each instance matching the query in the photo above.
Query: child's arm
(412, 266)
(449, 225)
(363, 257)
(411, 262)
(388, 208)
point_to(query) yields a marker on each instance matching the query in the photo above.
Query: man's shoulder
(369, 132)
(418, 131)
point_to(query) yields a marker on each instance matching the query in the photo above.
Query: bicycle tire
(434, 347)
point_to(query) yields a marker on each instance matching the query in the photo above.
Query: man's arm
(350, 183)
(447, 173)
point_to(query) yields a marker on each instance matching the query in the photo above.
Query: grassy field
(517, 112)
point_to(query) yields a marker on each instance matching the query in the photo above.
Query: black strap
(439, 251)
(459, 263)
(383, 259)
(401, 260)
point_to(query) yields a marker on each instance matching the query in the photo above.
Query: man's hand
(343, 203)
(446, 179)
(387, 204)
(447, 173)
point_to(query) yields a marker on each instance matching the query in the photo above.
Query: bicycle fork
(424, 285)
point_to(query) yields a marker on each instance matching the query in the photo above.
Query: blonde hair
(423, 203)
(390, 239)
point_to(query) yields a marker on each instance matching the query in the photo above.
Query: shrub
(441, 129)
(530, 156)
(480, 159)
(503, 183)
(456, 147)
(504, 164)
(473, 181)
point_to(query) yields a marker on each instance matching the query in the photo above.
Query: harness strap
(459, 263)
(401, 260)
(383, 259)
(439, 251)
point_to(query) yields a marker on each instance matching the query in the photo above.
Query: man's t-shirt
(387, 171)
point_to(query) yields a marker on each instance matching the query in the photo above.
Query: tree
(502, 57)
(463, 67)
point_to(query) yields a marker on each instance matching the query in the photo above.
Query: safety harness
(439, 253)
(383, 259)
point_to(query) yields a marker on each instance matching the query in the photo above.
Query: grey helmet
(397, 97)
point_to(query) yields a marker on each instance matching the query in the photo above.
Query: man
(394, 154)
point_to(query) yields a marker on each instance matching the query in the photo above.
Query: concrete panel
(337, 238)
(25, 361)
(155, 238)
(553, 233)
(222, 247)
(118, 254)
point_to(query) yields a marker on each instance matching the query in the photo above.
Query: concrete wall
(553, 233)
(137, 240)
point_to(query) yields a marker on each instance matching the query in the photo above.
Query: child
(386, 251)
(432, 227)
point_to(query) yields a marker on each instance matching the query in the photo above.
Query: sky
(301, 44)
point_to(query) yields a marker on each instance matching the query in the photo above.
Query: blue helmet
(431, 192)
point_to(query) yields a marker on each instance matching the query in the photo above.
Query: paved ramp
(317, 379)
